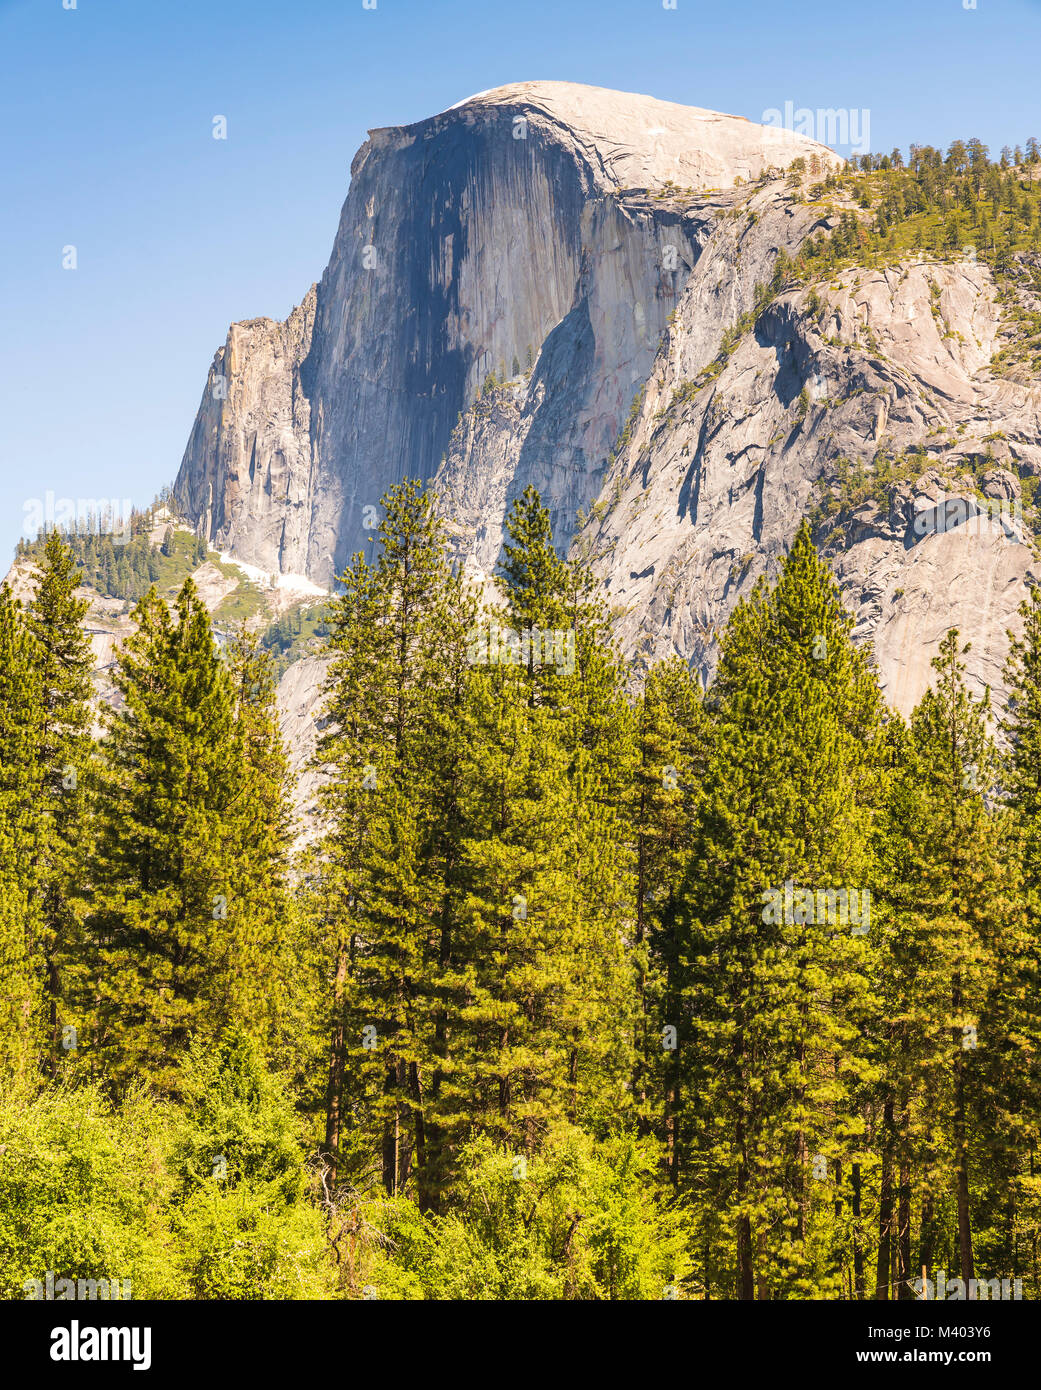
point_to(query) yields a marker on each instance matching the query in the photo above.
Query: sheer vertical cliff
(559, 285)
(525, 228)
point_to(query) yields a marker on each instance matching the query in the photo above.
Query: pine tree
(153, 968)
(672, 738)
(1016, 1067)
(256, 834)
(399, 644)
(66, 755)
(532, 571)
(486, 867)
(776, 991)
(1022, 729)
(958, 925)
(550, 892)
(22, 832)
(511, 1067)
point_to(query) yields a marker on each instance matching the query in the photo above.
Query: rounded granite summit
(638, 141)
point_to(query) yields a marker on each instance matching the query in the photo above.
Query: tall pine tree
(66, 753)
(776, 990)
(22, 835)
(154, 965)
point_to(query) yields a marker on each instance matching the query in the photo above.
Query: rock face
(520, 228)
(591, 251)
(299, 700)
(246, 478)
(709, 489)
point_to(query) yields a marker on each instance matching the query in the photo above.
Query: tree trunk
(334, 1087)
(961, 1153)
(904, 1291)
(927, 1233)
(745, 1277)
(885, 1208)
(424, 1184)
(858, 1247)
(391, 1133)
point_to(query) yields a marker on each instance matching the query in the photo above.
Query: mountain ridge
(522, 292)
(516, 228)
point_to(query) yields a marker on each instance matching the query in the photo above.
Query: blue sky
(106, 115)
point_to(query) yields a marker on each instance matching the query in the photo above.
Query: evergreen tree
(956, 946)
(545, 1030)
(66, 755)
(672, 739)
(513, 1070)
(256, 833)
(1017, 1110)
(154, 965)
(22, 833)
(776, 990)
(399, 643)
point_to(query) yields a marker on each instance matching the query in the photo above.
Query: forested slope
(580, 993)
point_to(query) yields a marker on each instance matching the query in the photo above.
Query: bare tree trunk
(858, 1246)
(904, 1292)
(746, 1280)
(883, 1276)
(961, 1153)
(337, 1049)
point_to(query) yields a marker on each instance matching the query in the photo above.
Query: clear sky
(106, 124)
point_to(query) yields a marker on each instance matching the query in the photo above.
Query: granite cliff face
(518, 229)
(708, 490)
(590, 250)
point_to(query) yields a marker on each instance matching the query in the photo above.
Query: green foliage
(90, 1192)
(68, 763)
(296, 633)
(188, 865)
(234, 1109)
(561, 1003)
(956, 947)
(477, 856)
(235, 1245)
(124, 563)
(856, 482)
(22, 834)
(82, 1191)
(244, 1223)
(673, 739)
(774, 1002)
(580, 1221)
(935, 205)
(943, 208)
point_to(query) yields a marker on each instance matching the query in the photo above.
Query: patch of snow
(293, 583)
(300, 584)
